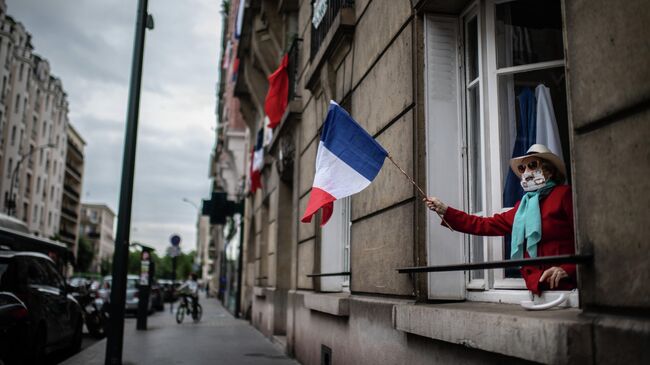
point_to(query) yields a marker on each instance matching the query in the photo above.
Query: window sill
(559, 336)
(337, 304)
(259, 291)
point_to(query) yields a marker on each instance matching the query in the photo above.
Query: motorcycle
(95, 313)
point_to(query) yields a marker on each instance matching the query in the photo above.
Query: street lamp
(10, 203)
(192, 203)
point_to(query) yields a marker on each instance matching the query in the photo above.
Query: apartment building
(72, 188)
(33, 132)
(97, 225)
(437, 84)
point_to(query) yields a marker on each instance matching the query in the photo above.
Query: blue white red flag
(347, 161)
(257, 162)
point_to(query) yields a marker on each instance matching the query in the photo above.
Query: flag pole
(418, 187)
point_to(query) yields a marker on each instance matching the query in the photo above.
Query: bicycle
(186, 307)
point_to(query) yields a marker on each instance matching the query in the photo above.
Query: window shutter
(333, 238)
(444, 152)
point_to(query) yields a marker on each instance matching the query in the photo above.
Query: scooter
(95, 313)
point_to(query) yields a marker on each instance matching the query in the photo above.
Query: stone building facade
(33, 133)
(436, 83)
(72, 188)
(97, 225)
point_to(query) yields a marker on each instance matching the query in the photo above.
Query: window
(35, 215)
(36, 273)
(17, 103)
(335, 247)
(38, 185)
(13, 135)
(20, 73)
(9, 166)
(478, 69)
(44, 129)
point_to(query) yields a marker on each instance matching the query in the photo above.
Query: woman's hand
(553, 276)
(436, 205)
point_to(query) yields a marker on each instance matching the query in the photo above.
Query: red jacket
(557, 234)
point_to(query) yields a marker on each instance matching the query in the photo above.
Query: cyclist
(190, 288)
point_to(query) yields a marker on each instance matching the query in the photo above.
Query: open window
(479, 68)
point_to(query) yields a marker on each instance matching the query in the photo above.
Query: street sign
(173, 251)
(175, 240)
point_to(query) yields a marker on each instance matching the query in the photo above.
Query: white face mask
(531, 181)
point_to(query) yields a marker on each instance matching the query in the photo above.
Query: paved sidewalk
(218, 339)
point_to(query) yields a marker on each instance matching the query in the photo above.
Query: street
(217, 338)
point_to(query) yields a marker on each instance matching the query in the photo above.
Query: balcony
(329, 18)
(68, 235)
(292, 70)
(74, 171)
(334, 30)
(69, 212)
(71, 191)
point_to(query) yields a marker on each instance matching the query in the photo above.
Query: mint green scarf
(527, 225)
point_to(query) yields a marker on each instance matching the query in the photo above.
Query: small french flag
(347, 161)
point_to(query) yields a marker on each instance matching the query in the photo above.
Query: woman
(541, 223)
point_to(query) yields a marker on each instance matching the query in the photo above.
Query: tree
(105, 266)
(85, 254)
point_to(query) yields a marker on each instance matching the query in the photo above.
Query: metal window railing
(561, 259)
(319, 33)
(320, 275)
(294, 64)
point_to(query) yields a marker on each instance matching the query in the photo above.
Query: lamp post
(115, 338)
(10, 203)
(191, 203)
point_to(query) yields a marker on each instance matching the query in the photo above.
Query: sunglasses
(532, 165)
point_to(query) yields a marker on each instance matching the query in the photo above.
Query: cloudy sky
(89, 45)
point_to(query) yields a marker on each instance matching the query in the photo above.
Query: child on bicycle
(190, 288)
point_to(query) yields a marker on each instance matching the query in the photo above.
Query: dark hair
(553, 171)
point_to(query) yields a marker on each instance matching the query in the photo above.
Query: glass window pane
(475, 150)
(522, 117)
(476, 250)
(528, 31)
(471, 50)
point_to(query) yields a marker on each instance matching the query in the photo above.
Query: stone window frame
(495, 287)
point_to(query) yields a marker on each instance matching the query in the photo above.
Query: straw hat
(542, 152)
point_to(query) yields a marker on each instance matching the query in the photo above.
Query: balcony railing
(71, 191)
(69, 212)
(294, 64)
(67, 234)
(318, 33)
(74, 170)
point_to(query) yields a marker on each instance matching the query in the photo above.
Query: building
(72, 188)
(203, 254)
(228, 166)
(97, 224)
(437, 84)
(33, 133)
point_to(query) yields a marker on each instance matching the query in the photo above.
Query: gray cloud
(88, 44)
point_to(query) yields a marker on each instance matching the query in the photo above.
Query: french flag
(347, 161)
(257, 162)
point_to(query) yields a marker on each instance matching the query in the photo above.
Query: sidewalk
(218, 339)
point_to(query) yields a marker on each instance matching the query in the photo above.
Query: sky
(89, 46)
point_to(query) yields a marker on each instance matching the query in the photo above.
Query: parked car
(54, 319)
(132, 295)
(13, 327)
(166, 286)
(157, 296)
